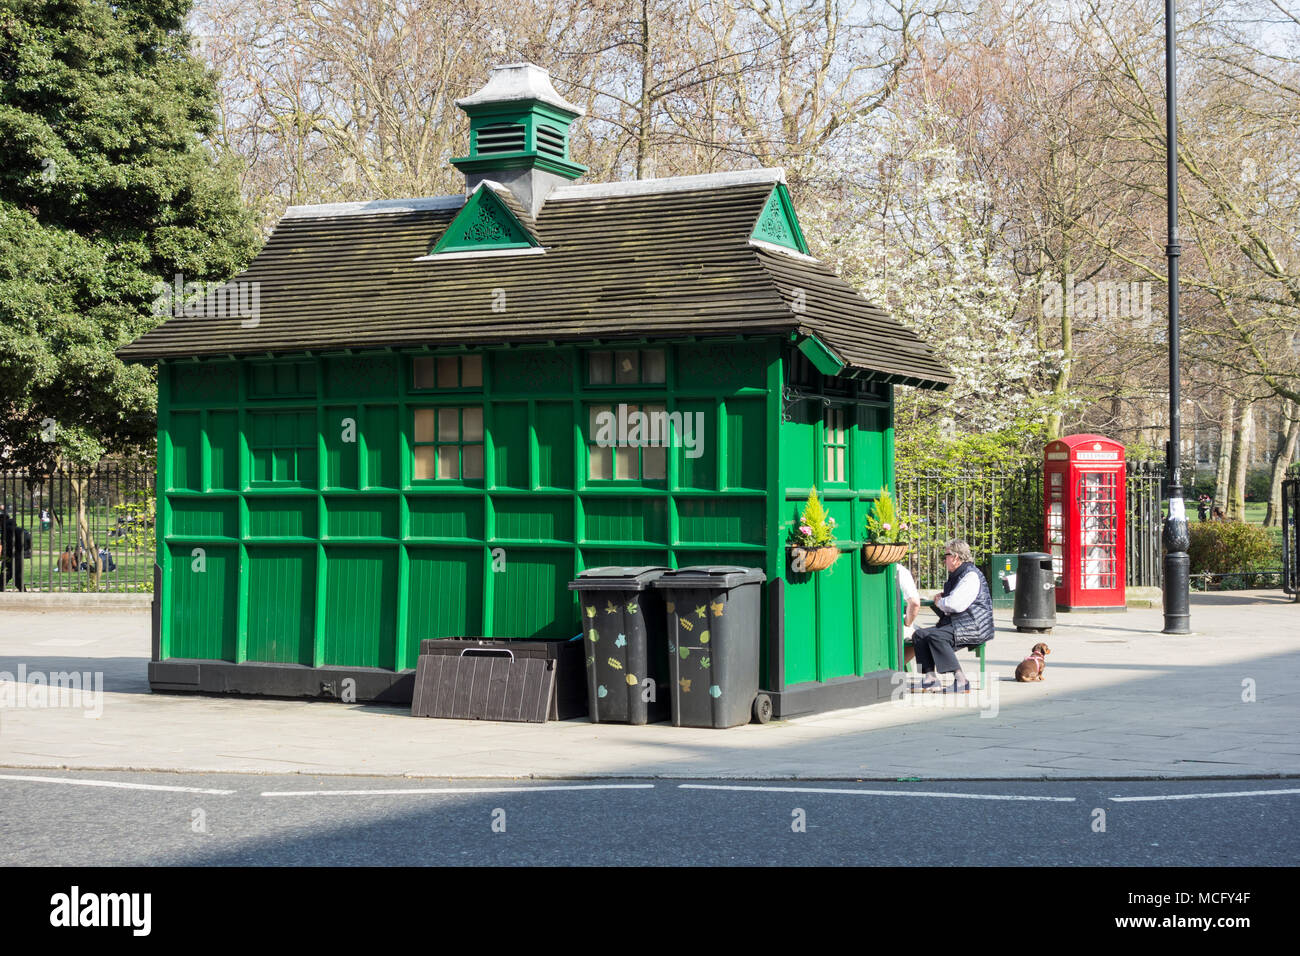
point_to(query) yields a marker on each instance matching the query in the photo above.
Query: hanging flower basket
(879, 555)
(815, 559)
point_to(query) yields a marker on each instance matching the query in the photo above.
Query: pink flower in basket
(804, 529)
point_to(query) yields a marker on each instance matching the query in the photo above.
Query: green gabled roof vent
(519, 122)
(777, 224)
(490, 221)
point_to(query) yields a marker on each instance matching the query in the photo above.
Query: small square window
(424, 424)
(424, 462)
(652, 366)
(627, 368)
(449, 424)
(472, 425)
(423, 373)
(449, 443)
(448, 461)
(600, 368)
(471, 371)
(447, 372)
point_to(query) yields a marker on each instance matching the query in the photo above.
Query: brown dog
(1032, 667)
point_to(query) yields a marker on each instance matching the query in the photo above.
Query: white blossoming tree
(891, 208)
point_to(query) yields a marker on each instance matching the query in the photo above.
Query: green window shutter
(484, 222)
(777, 223)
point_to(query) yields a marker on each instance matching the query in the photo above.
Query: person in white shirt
(965, 608)
(911, 607)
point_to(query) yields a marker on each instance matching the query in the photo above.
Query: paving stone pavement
(1119, 700)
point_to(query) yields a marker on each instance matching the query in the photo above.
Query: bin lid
(1034, 556)
(712, 576)
(617, 578)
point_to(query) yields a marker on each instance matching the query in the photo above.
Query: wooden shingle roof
(629, 260)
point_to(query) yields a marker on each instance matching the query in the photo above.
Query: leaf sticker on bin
(628, 626)
(716, 611)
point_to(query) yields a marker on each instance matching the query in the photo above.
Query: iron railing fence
(119, 506)
(1291, 531)
(1002, 513)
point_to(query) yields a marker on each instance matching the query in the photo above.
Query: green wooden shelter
(396, 434)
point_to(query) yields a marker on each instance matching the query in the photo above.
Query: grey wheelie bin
(1035, 605)
(623, 643)
(713, 619)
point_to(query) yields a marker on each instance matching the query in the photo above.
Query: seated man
(965, 609)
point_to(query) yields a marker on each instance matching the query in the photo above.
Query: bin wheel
(762, 709)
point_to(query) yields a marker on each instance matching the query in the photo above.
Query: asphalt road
(125, 819)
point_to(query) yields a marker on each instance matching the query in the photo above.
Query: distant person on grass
(965, 608)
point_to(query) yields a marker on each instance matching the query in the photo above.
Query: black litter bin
(624, 645)
(713, 624)
(1035, 606)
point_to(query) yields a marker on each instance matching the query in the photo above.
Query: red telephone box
(1084, 503)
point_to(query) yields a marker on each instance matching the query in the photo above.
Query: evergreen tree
(107, 187)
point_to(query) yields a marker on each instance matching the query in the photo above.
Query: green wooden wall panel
(205, 517)
(203, 616)
(361, 376)
(342, 458)
(746, 455)
(223, 450)
(533, 372)
(800, 627)
(368, 517)
(360, 625)
(713, 520)
(270, 517)
(534, 518)
(626, 519)
(281, 604)
(837, 628)
(186, 470)
(798, 446)
(878, 609)
(207, 382)
(439, 516)
(702, 471)
(554, 427)
(720, 366)
(383, 446)
(690, 557)
(625, 557)
(444, 596)
(869, 448)
(510, 443)
(530, 598)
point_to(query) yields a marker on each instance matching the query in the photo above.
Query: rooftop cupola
(519, 135)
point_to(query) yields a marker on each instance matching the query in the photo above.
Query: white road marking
(879, 793)
(1209, 796)
(439, 790)
(118, 785)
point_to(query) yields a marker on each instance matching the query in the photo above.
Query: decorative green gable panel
(777, 223)
(484, 222)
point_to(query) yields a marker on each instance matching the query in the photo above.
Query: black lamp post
(1176, 541)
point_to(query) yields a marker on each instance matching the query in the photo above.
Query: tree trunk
(1228, 417)
(85, 535)
(1236, 509)
(1287, 441)
(645, 118)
